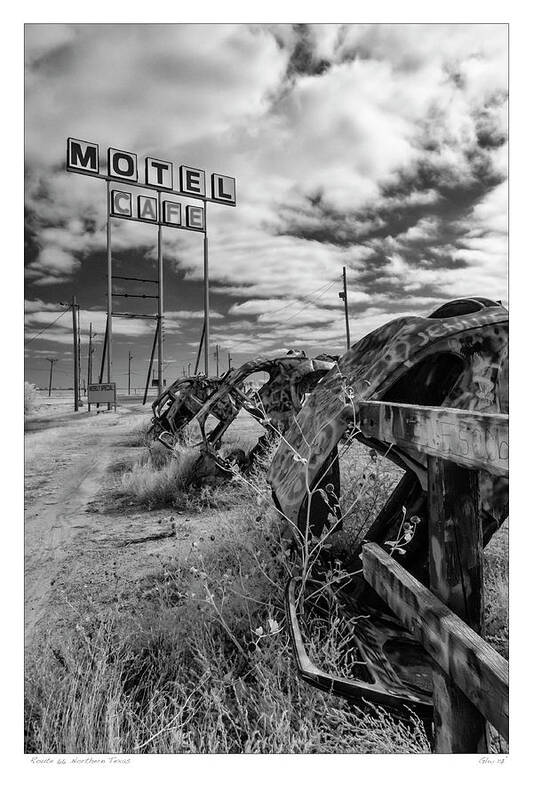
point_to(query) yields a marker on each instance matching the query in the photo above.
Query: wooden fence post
(456, 578)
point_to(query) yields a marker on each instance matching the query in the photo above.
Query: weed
(161, 478)
(204, 666)
(496, 568)
(31, 398)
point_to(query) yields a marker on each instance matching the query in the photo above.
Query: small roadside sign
(102, 393)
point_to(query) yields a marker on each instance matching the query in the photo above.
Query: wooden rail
(470, 680)
(474, 440)
(476, 668)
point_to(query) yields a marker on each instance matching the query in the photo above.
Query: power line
(307, 304)
(298, 300)
(48, 326)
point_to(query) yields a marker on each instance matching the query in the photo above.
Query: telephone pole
(188, 369)
(229, 360)
(90, 356)
(52, 362)
(79, 353)
(344, 296)
(216, 357)
(75, 308)
(129, 372)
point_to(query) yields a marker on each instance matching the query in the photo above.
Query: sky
(382, 148)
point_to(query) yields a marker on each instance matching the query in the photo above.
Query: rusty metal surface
(457, 362)
(370, 370)
(274, 405)
(386, 679)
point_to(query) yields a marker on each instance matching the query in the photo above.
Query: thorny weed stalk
(192, 667)
(312, 549)
(309, 549)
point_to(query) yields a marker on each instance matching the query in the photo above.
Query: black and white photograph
(266, 368)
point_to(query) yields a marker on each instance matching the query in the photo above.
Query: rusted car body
(274, 405)
(458, 358)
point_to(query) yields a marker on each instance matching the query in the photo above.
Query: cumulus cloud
(377, 147)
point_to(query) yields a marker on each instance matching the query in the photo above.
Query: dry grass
(496, 566)
(31, 398)
(197, 659)
(194, 668)
(161, 477)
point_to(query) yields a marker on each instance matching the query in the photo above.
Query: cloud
(174, 315)
(39, 314)
(381, 148)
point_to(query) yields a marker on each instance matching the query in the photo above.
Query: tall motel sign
(157, 208)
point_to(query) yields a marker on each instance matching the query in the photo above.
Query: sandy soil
(79, 540)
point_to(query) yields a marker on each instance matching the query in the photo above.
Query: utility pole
(344, 296)
(129, 372)
(90, 356)
(79, 354)
(189, 369)
(216, 357)
(229, 361)
(52, 362)
(75, 307)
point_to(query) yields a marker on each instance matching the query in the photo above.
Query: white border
(313, 776)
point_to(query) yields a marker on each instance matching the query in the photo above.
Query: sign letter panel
(172, 213)
(223, 189)
(159, 173)
(121, 165)
(192, 181)
(82, 156)
(120, 204)
(147, 208)
(195, 218)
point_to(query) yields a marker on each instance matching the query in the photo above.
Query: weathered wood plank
(456, 578)
(476, 668)
(469, 438)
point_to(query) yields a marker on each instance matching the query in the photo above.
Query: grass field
(194, 657)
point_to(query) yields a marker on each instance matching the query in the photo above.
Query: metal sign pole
(160, 298)
(83, 157)
(206, 294)
(109, 290)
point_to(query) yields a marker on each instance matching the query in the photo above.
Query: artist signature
(492, 760)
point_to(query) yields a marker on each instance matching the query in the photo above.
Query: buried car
(274, 404)
(456, 358)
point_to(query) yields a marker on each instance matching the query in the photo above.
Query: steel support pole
(160, 304)
(109, 325)
(206, 294)
(151, 364)
(199, 350)
(104, 353)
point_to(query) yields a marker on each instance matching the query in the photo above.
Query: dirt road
(79, 542)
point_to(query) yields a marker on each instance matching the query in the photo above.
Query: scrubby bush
(31, 398)
(162, 477)
(203, 666)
